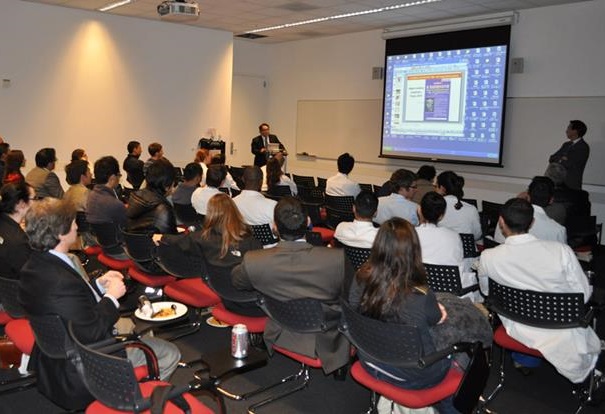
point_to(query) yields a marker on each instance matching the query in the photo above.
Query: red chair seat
(303, 359)
(147, 279)
(92, 250)
(409, 398)
(326, 234)
(5, 318)
(505, 341)
(20, 332)
(193, 292)
(255, 324)
(115, 264)
(197, 407)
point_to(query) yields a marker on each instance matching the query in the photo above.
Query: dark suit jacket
(260, 158)
(51, 286)
(294, 270)
(573, 158)
(134, 169)
(14, 247)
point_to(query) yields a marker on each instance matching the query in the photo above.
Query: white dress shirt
(356, 233)
(544, 228)
(200, 197)
(255, 208)
(465, 220)
(396, 205)
(525, 262)
(341, 185)
(443, 246)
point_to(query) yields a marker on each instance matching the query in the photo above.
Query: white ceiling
(239, 16)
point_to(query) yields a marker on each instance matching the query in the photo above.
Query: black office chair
(303, 180)
(469, 247)
(490, 212)
(321, 183)
(443, 278)
(400, 345)
(471, 201)
(175, 262)
(237, 173)
(187, 216)
(109, 239)
(366, 187)
(545, 310)
(357, 255)
(342, 203)
(279, 191)
(263, 233)
(335, 216)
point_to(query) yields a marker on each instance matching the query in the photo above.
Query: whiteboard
(534, 129)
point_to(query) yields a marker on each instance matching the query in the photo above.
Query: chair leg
(304, 372)
(501, 382)
(585, 394)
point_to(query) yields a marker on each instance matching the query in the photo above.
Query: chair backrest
(469, 248)
(583, 230)
(83, 224)
(225, 190)
(297, 315)
(382, 342)
(489, 243)
(178, 175)
(280, 191)
(366, 187)
(220, 283)
(336, 216)
(237, 173)
(9, 297)
(442, 278)
(539, 309)
(342, 203)
(377, 189)
(303, 180)
(186, 214)
(109, 379)
(139, 246)
(51, 336)
(357, 255)
(314, 238)
(471, 201)
(177, 263)
(313, 195)
(490, 212)
(321, 183)
(263, 233)
(108, 236)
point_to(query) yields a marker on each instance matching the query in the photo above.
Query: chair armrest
(468, 289)
(430, 359)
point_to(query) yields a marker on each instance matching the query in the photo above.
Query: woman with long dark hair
(276, 177)
(459, 216)
(391, 286)
(15, 201)
(15, 160)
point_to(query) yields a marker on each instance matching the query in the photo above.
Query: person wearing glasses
(260, 145)
(399, 203)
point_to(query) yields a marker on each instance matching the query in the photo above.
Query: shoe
(340, 374)
(525, 371)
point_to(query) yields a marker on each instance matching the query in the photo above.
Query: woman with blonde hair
(222, 242)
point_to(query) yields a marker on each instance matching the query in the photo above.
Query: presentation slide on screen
(445, 104)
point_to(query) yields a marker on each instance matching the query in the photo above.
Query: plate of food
(162, 311)
(212, 321)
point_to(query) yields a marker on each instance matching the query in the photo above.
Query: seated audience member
(4, 149)
(156, 152)
(42, 178)
(459, 215)
(15, 201)
(229, 182)
(192, 176)
(255, 208)
(15, 160)
(148, 209)
(540, 194)
(276, 176)
(295, 269)
(361, 231)
(392, 287)
(204, 159)
(526, 262)
(133, 165)
(575, 202)
(340, 184)
(79, 154)
(278, 156)
(79, 177)
(214, 178)
(53, 282)
(398, 203)
(223, 242)
(440, 245)
(425, 183)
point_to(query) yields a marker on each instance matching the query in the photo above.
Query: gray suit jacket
(45, 182)
(294, 270)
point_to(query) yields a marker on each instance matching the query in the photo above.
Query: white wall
(563, 51)
(93, 80)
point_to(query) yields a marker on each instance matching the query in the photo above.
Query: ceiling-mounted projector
(178, 10)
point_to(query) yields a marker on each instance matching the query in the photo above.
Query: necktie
(77, 265)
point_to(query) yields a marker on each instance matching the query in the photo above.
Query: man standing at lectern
(573, 154)
(260, 145)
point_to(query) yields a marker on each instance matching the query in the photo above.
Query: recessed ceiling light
(115, 4)
(343, 16)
